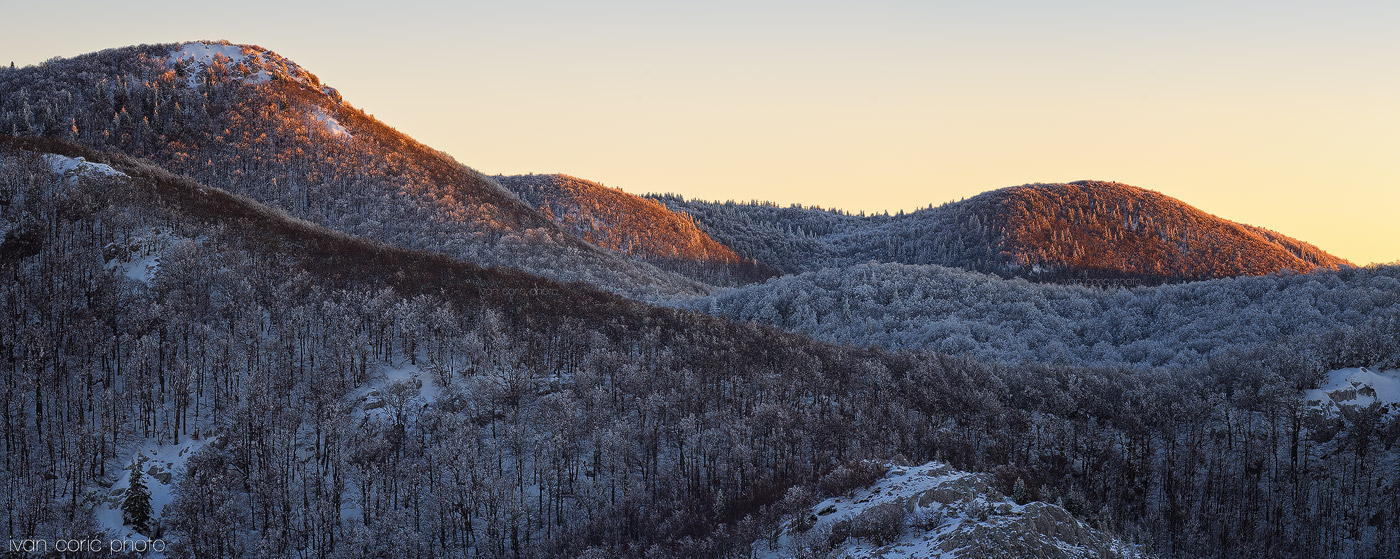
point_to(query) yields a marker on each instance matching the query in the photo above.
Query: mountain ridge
(261, 126)
(1079, 231)
(635, 225)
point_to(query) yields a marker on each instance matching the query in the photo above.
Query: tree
(136, 507)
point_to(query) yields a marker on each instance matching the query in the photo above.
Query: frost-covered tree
(136, 501)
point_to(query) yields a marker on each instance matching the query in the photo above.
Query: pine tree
(1019, 493)
(136, 508)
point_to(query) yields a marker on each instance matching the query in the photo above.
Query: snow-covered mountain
(633, 225)
(319, 338)
(1062, 231)
(245, 119)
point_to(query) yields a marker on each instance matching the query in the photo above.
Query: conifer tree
(1019, 493)
(136, 507)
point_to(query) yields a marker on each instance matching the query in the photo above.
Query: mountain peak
(1115, 229)
(198, 61)
(1087, 230)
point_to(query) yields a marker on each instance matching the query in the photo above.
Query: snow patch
(397, 389)
(935, 511)
(139, 257)
(161, 468)
(200, 56)
(1358, 387)
(73, 168)
(332, 125)
(248, 63)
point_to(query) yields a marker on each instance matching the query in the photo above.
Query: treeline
(575, 423)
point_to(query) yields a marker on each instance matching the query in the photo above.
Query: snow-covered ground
(202, 55)
(259, 65)
(1359, 387)
(74, 167)
(139, 259)
(933, 511)
(403, 383)
(332, 125)
(161, 466)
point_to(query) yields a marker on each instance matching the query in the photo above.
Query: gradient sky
(1280, 114)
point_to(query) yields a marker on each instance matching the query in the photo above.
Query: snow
(139, 259)
(1359, 387)
(161, 467)
(259, 65)
(74, 167)
(202, 55)
(143, 268)
(332, 125)
(900, 483)
(422, 390)
(372, 402)
(948, 514)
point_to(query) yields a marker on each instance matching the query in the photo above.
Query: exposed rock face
(935, 511)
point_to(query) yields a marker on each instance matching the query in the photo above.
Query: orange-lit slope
(244, 119)
(626, 223)
(1116, 229)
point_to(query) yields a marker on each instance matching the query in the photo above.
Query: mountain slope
(235, 329)
(1111, 228)
(359, 399)
(932, 510)
(632, 225)
(245, 119)
(1073, 231)
(902, 306)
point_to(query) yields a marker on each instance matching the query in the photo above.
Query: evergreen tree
(136, 507)
(1019, 493)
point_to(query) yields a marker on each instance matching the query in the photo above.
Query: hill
(1106, 228)
(244, 119)
(1051, 232)
(351, 376)
(246, 356)
(633, 225)
(903, 306)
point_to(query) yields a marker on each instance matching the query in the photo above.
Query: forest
(1062, 232)
(359, 348)
(272, 142)
(1172, 325)
(576, 420)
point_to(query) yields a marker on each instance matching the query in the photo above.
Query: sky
(1280, 114)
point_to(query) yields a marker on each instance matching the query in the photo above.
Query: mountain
(247, 120)
(1083, 230)
(633, 225)
(239, 356)
(292, 327)
(1107, 228)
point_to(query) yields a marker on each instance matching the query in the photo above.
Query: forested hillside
(633, 225)
(249, 320)
(358, 399)
(249, 121)
(900, 306)
(1050, 232)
